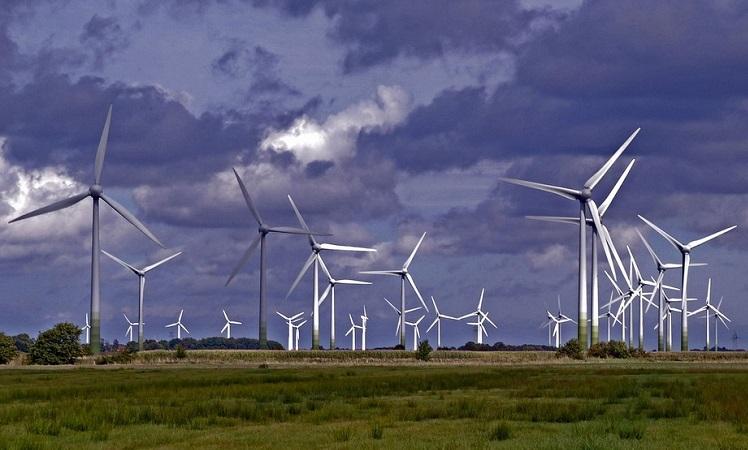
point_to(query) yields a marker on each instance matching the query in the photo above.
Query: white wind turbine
(179, 325)
(227, 327)
(707, 308)
(128, 332)
(401, 319)
(416, 332)
(315, 258)
(685, 250)
(352, 331)
(290, 322)
(438, 322)
(364, 319)
(141, 287)
(87, 329)
(480, 316)
(404, 274)
(556, 321)
(608, 315)
(330, 290)
(296, 328)
(96, 192)
(584, 197)
(263, 230)
(596, 234)
(666, 320)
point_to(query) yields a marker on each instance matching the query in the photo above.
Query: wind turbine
(315, 258)
(480, 318)
(685, 250)
(87, 329)
(584, 197)
(364, 319)
(290, 322)
(716, 326)
(332, 282)
(608, 315)
(96, 192)
(296, 328)
(227, 327)
(661, 269)
(438, 322)
(404, 274)
(557, 321)
(263, 230)
(129, 329)
(717, 313)
(416, 332)
(401, 320)
(179, 325)
(141, 287)
(352, 331)
(596, 234)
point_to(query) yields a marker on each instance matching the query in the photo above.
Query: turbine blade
(606, 203)
(598, 226)
(395, 273)
(184, 328)
(594, 179)
(167, 259)
(571, 194)
(674, 242)
(480, 300)
(304, 268)
(432, 324)
(248, 198)
(224, 327)
(225, 315)
(101, 151)
(652, 253)
(693, 244)
(324, 268)
(298, 216)
(353, 282)
(436, 309)
(70, 201)
(292, 230)
(245, 257)
(325, 293)
(119, 261)
(346, 248)
(127, 215)
(616, 257)
(485, 316)
(412, 309)
(557, 219)
(415, 289)
(393, 306)
(412, 255)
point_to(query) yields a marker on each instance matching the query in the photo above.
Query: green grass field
(602, 405)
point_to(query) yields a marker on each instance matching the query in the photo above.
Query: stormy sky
(383, 120)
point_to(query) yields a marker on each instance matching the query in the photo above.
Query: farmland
(624, 404)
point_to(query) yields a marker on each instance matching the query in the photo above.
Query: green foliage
(58, 345)
(8, 351)
(377, 431)
(342, 434)
(181, 353)
(571, 349)
(125, 356)
(424, 351)
(23, 342)
(611, 349)
(500, 432)
(627, 429)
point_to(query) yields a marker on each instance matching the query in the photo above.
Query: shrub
(612, 349)
(8, 350)
(571, 349)
(424, 351)
(121, 357)
(501, 432)
(58, 345)
(181, 352)
(377, 431)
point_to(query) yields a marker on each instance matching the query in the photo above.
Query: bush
(8, 351)
(611, 349)
(181, 352)
(571, 349)
(501, 432)
(58, 345)
(424, 351)
(119, 357)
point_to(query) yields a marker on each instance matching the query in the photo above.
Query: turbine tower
(179, 325)
(141, 287)
(596, 234)
(330, 290)
(315, 258)
(438, 322)
(584, 197)
(717, 314)
(404, 274)
(480, 318)
(685, 250)
(401, 319)
(227, 327)
(364, 319)
(96, 192)
(263, 230)
(290, 322)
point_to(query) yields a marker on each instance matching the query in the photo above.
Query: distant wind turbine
(96, 192)
(400, 319)
(438, 322)
(330, 290)
(707, 308)
(129, 329)
(179, 325)
(290, 322)
(227, 327)
(87, 329)
(480, 316)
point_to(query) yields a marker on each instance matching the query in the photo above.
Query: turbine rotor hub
(586, 193)
(96, 190)
(263, 229)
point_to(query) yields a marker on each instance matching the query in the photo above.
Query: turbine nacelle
(96, 190)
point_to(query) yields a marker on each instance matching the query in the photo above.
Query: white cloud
(335, 138)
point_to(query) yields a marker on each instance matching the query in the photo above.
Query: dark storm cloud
(259, 64)
(104, 37)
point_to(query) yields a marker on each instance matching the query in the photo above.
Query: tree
(58, 345)
(8, 350)
(424, 351)
(23, 342)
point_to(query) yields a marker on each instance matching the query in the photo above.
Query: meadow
(520, 406)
